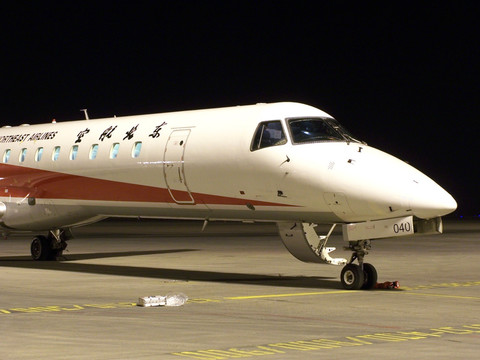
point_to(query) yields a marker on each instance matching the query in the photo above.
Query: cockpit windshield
(306, 130)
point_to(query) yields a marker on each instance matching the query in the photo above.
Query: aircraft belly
(74, 212)
(232, 213)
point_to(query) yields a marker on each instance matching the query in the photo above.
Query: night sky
(402, 76)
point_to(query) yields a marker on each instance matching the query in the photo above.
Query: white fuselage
(202, 165)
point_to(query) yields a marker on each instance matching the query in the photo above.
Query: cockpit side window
(268, 133)
(307, 130)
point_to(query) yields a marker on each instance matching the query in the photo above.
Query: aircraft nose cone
(430, 200)
(449, 204)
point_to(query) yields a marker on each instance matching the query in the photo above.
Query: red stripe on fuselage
(18, 181)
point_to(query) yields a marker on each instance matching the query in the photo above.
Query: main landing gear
(50, 247)
(361, 276)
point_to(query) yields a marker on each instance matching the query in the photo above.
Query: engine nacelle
(33, 214)
(3, 209)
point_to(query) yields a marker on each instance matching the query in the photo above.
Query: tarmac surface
(248, 297)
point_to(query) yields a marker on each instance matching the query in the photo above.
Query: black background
(402, 76)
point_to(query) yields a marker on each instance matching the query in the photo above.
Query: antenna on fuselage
(86, 113)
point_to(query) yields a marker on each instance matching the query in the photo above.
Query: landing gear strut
(49, 247)
(363, 275)
(304, 243)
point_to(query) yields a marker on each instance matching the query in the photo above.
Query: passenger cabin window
(93, 152)
(307, 130)
(137, 147)
(73, 152)
(6, 155)
(38, 154)
(23, 155)
(56, 153)
(268, 133)
(114, 151)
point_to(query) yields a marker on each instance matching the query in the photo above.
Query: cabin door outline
(174, 166)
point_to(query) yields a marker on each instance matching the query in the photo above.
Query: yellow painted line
(442, 285)
(59, 308)
(445, 296)
(319, 345)
(287, 295)
(406, 290)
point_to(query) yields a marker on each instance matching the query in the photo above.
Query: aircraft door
(174, 167)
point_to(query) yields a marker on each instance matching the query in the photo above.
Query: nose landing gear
(362, 276)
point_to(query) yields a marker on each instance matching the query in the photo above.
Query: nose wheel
(362, 276)
(352, 277)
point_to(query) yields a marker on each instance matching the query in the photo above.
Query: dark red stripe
(20, 181)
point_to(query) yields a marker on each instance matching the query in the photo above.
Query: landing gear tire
(370, 276)
(40, 248)
(352, 277)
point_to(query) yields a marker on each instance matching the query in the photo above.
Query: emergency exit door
(174, 167)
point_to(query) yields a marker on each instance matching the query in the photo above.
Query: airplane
(286, 162)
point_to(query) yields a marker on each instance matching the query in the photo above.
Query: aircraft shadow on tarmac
(89, 256)
(68, 264)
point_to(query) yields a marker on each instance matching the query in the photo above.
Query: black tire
(370, 276)
(352, 277)
(41, 249)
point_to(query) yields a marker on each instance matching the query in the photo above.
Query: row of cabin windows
(137, 147)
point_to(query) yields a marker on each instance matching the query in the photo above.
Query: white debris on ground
(160, 300)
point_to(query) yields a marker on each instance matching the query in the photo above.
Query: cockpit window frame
(282, 141)
(343, 134)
